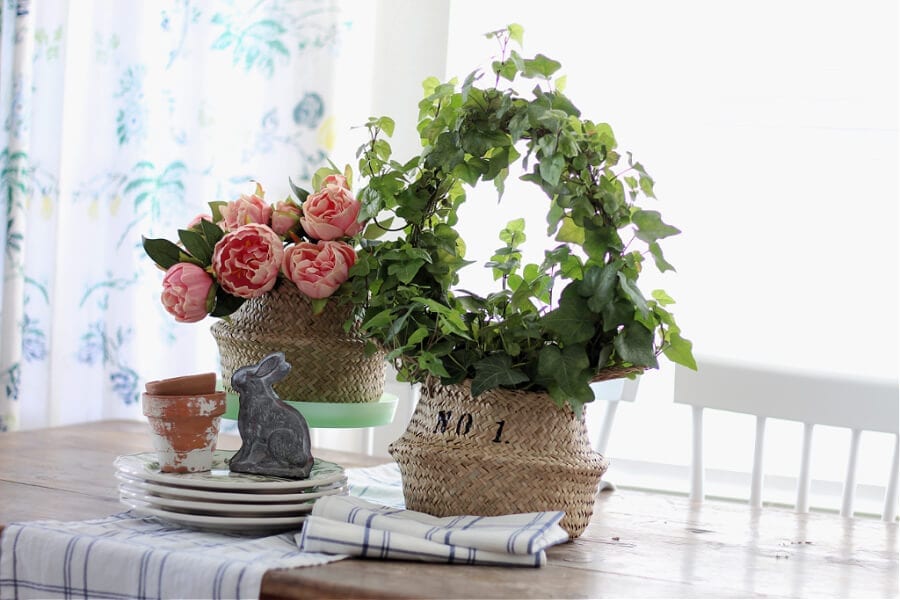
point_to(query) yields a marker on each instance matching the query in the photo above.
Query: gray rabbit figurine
(275, 436)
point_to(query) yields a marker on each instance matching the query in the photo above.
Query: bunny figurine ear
(275, 436)
(270, 363)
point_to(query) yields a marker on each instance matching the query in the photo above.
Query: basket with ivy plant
(551, 328)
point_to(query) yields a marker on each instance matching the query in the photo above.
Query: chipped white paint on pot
(185, 429)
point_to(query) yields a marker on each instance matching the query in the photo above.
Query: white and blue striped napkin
(353, 526)
(132, 556)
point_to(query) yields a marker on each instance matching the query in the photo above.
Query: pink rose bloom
(195, 222)
(285, 217)
(245, 210)
(331, 213)
(335, 179)
(318, 270)
(246, 260)
(185, 289)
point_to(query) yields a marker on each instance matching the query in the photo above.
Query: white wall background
(771, 128)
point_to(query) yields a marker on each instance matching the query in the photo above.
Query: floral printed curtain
(123, 119)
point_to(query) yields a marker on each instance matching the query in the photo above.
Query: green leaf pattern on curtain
(147, 112)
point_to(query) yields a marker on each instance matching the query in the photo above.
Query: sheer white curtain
(122, 119)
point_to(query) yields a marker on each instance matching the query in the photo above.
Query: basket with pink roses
(269, 272)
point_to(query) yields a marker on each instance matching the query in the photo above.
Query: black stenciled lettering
(500, 425)
(467, 419)
(443, 421)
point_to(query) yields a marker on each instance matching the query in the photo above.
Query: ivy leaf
(662, 297)
(566, 369)
(599, 286)
(635, 345)
(379, 320)
(495, 371)
(633, 293)
(163, 252)
(650, 226)
(428, 361)
(405, 271)
(572, 321)
(551, 168)
(516, 33)
(570, 232)
(417, 336)
(680, 351)
(541, 65)
(661, 263)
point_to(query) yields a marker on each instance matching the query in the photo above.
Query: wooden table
(638, 544)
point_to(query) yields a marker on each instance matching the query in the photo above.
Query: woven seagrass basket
(503, 452)
(327, 363)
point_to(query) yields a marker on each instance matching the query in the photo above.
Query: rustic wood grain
(638, 544)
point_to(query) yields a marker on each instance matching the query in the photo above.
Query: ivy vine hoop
(578, 316)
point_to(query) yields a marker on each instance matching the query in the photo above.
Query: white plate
(223, 509)
(146, 466)
(247, 525)
(186, 493)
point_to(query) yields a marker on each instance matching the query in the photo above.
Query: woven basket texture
(504, 452)
(327, 364)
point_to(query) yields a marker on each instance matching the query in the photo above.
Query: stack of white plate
(220, 500)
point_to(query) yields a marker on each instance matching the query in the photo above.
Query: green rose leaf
(299, 192)
(495, 371)
(197, 245)
(211, 232)
(225, 303)
(163, 252)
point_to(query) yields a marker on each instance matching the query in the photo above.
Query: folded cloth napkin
(130, 556)
(353, 526)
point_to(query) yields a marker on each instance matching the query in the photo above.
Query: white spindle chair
(611, 392)
(854, 403)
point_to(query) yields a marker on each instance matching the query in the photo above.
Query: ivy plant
(552, 326)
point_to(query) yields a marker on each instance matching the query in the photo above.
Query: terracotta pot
(185, 429)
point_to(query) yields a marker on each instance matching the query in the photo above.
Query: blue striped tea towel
(131, 556)
(348, 525)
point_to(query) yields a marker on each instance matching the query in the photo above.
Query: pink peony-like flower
(185, 289)
(285, 217)
(318, 270)
(245, 210)
(195, 222)
(335, 179)
(246, 260)
(331, 213)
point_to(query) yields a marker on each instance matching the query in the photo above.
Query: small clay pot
(185, 429)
